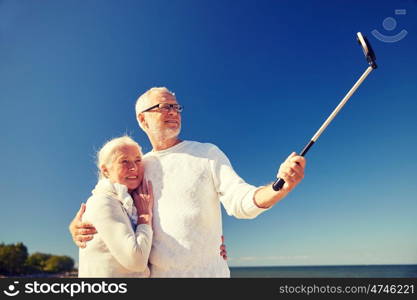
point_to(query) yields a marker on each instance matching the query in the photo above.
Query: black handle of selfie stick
(279, 183)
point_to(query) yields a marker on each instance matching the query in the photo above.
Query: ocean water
(361, 271)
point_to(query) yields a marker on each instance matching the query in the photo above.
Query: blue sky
(257, 78)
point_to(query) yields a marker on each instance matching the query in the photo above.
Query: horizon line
(329, 265)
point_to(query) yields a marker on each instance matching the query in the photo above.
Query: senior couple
(159, 215)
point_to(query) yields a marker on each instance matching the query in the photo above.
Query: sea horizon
(324, 265)
(329, 271)
(296, 271)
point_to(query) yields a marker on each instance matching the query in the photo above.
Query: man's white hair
(105, 156)
(144, 101)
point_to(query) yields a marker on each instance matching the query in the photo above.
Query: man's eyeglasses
(166, 107)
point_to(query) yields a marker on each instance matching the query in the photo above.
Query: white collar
(118, 191)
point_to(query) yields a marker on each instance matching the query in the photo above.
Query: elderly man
(190, 180)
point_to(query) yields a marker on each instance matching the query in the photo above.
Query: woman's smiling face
(126, 167)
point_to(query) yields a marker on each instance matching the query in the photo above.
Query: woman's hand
(143, 199)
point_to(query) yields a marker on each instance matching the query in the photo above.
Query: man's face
(165, 123)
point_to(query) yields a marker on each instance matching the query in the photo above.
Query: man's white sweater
(189, 181)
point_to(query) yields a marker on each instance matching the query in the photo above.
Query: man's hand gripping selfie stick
(370, 57)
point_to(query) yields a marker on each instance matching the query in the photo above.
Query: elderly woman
(120, 208)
